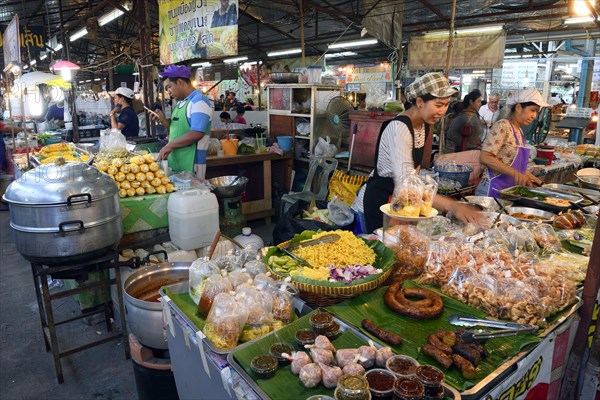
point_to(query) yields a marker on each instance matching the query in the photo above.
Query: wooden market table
(263, 170)
(556, 173)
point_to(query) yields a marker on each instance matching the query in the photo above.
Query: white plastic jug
(248, 239)
(193, 218)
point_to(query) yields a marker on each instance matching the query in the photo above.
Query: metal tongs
(504, 328)
(311, 242)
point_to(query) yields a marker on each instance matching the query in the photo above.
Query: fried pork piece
(345, 356)
(367, 356)
(323, 342)
(310, 375)
(299, 360)
(353, 368)
(321, 356)
(330, 375)
(382, 356)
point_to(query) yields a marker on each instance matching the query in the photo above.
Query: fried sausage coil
(436, 342)
(397, 299)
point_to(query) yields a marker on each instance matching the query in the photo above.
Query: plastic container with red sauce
(432, 379)
(408, 389)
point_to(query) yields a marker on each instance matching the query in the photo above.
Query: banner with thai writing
(379, 73)
(33, 38)
(10, 40)
(197, 29)
(470, 50)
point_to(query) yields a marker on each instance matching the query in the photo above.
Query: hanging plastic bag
(112, 139)
(339, 212)
(325, 148)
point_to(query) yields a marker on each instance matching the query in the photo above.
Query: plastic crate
(460, 177)
(181, 184)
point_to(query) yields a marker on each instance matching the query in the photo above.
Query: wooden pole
(450, 39)
(302, 34)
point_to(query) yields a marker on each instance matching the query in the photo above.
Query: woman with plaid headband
(401, 147)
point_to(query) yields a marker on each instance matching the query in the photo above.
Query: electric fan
(538, 129)
(338, 117)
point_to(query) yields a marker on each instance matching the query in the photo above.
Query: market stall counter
(263, 170)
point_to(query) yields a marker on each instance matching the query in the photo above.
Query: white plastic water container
(248, 239)
(193, 218)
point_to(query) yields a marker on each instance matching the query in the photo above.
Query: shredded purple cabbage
(350, 273)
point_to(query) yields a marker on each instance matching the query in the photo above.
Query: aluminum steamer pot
(144, 310)
(64, 214)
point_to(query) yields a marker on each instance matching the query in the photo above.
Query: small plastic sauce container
(402, 366)
(432, 379)
(320, 320)
(381, 383)
(331, 332)
(352, 387)
(264, 366)
(277, 349)
(408, 389)
(305, 336)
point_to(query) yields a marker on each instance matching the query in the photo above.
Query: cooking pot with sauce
(144, 310)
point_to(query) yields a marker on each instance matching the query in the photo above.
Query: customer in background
(225, 117)
(56, 114)
(490, 113)
(231, 102)
(220, 103)
(189, 127)
(403, 147)
(464, 132)
(127, 119)
(504, 152)
(239, 118)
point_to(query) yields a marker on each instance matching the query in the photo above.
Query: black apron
(379, 189)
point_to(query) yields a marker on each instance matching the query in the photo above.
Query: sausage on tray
(446, 336)
(467, 369)
(435, 341)
(467, 352)
(386, 336)
(396, 299)
(438, 355)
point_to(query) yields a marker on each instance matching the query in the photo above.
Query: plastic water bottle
(248, 239)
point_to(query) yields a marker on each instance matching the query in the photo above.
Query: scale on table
(576, 120)
(228, 190)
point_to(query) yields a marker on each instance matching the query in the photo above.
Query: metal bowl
(590, 182)
(285, 77)
(545, 215)
(488, 203)
(223, 188)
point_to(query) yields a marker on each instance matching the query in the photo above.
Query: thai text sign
(470, 50)
(197, 29)
(34, 38)
(369, 74)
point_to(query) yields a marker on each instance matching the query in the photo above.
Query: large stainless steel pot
(64, 213)
(144, 310)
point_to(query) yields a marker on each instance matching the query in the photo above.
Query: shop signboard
(518, 74)
(10, 43)
(375, 74)
(33, 38)
(470, 50)
(197, 29)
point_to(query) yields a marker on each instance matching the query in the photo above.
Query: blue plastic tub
(460, 177)
(285, 142)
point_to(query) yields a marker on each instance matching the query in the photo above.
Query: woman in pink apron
(504, 150)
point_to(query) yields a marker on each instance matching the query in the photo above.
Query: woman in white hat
(401, 148)
(504, 152)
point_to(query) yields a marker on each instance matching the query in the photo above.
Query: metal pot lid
(56, 184)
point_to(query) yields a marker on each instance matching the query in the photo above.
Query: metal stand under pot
(228, 190)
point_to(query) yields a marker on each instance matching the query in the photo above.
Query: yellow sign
(470, 50)
(197, 29)
(370, 74)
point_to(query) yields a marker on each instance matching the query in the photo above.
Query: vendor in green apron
(189, 127)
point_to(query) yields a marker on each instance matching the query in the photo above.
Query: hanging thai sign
(10, 41)
(470, 50)
(197, 29)
(34, 38)
(380, 73)
(518, 74)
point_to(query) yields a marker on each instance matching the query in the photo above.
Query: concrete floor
(26, 369)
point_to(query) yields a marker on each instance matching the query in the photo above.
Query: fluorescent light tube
(284, 52)
(97, 79)
(342, 54)
(579, 20)
(354, 43)
(477, 29)
(43, 56)
(79, 34)
(234, 60)
(57, 48)
(202, 64)
(113, 14)
(33, 62)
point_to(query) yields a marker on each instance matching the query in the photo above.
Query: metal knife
(471, 322)
(480, 334)
(302, 261)
(311, 242)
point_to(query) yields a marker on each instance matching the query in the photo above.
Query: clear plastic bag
(283, 302)
(230, 261)
(445, 255)
(255, 266)
(408, 196)
(483, 293)
(112, 139)
(519, 301)
(546, 237)
(435, 227)
(200, 269)
(430, 189)
(339, 212)
(225, 321)
(239, 277)
(410, 247)
(214, 285)
(214, 145)
(521, 241)
(324, 148)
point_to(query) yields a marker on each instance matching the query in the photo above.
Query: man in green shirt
(189, 127)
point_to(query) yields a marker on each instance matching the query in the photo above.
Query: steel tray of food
(528, 214)
(591, 193)
(541, 198)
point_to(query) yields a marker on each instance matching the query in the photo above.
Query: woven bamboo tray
(322, 296)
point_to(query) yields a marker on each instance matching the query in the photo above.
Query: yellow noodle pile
(348, 250)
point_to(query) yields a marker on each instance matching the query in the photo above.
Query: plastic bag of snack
(410, 247)
(519, 301)
(430, 188)
(230, 261)
(225, 321)
(200, 269)
(239, 277)
(214, 285)
(408, 196)
(483, 294)
(283, 302)
(546, 237)
(445, 255)
(255, 266)
(435, 227)
(459, 283)
(259, 309)
(521, 240)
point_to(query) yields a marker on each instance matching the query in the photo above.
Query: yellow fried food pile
(348, 250)
(136, 175)
(50, 153)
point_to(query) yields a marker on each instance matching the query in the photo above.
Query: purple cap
(176, 71)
